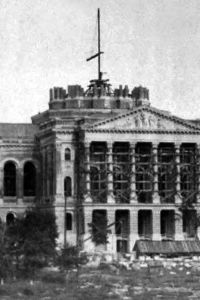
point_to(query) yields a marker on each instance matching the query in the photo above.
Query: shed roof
(167, 247)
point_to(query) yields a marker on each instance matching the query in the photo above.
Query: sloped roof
(167, 247)
(17, 130)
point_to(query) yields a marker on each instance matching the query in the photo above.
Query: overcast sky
(45, 43)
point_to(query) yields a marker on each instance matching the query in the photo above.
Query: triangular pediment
(145, 119)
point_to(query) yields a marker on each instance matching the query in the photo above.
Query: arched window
(10, 179)
(29, 179)
(67, 154)
(68, 186)
(10, 218)
(68, 221)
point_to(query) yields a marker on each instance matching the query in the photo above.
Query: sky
(45, 43)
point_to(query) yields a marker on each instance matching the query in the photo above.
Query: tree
(32, 240)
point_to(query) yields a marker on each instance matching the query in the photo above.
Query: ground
(144, 280)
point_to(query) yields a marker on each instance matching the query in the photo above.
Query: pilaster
(133, 195)
(133, 228)
(87, 196)
(110, 197)
(156, 197)
(178, 198)
(156, 224)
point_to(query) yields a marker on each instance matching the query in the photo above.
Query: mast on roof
(98, 83)
(98, 54)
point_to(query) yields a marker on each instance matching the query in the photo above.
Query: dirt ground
(144, 281)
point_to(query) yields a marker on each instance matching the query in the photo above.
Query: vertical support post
(65, 225)
(178, 198)
(179, 236)
(87, 177)
(99, 46)
(1, 184)
(156, 197)
(156, 214)
(58, 169)
(87, 241)
(19, 184)
(133, 228)
(111, 246)
(110, 198)
(133, 195)
(43, 173)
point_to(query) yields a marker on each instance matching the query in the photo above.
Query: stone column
(156, 197)
(1, 185)
(178, 198)
(87, 197)
(20, 184)
(87, 241)
(179, 236)
(59, 191)
(133, 228)
(110, 197)
(111, 246)
(133, 195)
(48, 170)
(43, 173)
(156, 236)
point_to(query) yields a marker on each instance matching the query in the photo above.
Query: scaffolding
(144, 172)
(167, 173)
(171, 173)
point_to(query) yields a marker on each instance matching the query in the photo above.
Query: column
(111, 246)
(88, 245)
(133, 228)
(48, 170)
(156, 228)
(179, 236)
(43, 173)
(133, 195)
(198, 173)
(110, 197)
(156, 197)
(87, 197)
(1, 185)
(59, 191)
(19, 185)
(178, 198)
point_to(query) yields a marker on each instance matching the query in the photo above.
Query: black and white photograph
(100, 149)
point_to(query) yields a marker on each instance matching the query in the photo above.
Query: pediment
(145, 119)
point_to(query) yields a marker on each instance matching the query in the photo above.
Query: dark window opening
(189, 223)
(68, 221)
(29, 179)
(166, 173)
(188, 170)
(9, 179)
(144, 172)
(10, 219)
(167, 223)
(121, 172)
(99, 227)
(67, 154)
(145, 224)
(98, 172)
(68, 187)
(122, 246)
(122, 223)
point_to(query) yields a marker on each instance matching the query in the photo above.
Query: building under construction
(115, 169)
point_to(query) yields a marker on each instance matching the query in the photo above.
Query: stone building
(104, 155)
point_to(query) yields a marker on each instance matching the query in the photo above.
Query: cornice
(142, 131)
